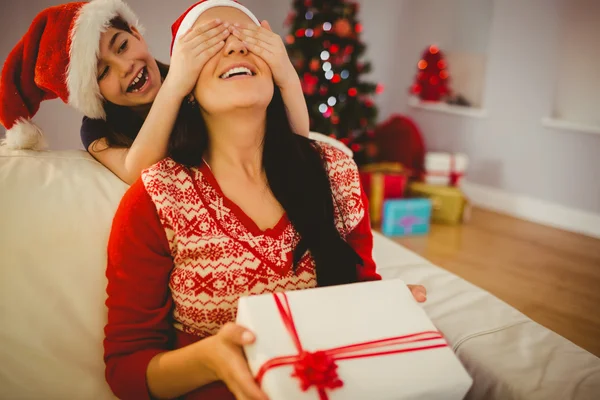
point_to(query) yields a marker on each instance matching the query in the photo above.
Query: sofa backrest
(56, 210)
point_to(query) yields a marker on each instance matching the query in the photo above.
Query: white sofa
(56, 210)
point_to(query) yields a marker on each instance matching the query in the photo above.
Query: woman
(129, 99)
(242, 206)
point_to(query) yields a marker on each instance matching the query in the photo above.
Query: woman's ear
(136, 33)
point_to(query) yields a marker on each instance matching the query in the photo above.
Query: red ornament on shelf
(345, 140)
(352, 92)
(336, 78)
(355, 147)
(379, 88)
(334, 48)
(431, 82)
(300, 32)
(358, 28)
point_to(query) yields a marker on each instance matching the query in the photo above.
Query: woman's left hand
(262, 41)
(419, 292)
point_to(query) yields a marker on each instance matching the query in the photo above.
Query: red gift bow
(453, 175)
(319, 368)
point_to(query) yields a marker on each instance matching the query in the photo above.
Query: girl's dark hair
(297, 177)
(124, 123)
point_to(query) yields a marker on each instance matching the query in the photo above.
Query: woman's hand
(227, 361)
(191, 52)
(419, 292)
(262, 41)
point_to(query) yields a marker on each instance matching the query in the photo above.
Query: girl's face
(127, 74)
(234, 78)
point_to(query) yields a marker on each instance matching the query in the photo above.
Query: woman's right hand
(227, 361)
(191, 52)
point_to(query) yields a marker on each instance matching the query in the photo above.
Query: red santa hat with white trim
(189, 17)
(56, 58)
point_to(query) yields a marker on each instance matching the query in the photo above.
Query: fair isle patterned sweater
(181, 254)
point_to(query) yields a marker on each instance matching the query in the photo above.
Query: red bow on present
(453, 175)
(319, 368)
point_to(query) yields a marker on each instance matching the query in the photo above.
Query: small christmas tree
(324, 46)
(431, 82)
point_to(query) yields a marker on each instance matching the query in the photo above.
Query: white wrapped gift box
(445, 168)
(414, 361)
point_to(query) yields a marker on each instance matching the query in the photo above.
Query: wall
(577, 95)
(509, 150)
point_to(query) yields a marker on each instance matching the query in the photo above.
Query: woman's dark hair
(297, 177)
(125, 123)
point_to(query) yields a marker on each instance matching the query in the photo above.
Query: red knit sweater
(181, 254)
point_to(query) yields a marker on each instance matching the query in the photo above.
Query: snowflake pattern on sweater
(218, 256)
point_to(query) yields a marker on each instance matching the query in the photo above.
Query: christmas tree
(431, 82)
(324, 46)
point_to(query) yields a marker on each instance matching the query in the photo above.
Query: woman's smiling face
(234, 77)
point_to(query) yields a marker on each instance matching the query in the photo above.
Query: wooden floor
(550, 275)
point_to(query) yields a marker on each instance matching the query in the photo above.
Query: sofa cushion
(56, 210)
(507, 355)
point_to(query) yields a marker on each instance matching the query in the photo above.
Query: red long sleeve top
(181, 254)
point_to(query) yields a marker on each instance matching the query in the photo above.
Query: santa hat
(189, 17)
(57, 57)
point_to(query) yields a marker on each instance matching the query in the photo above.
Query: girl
(242, 206)
(130, 100)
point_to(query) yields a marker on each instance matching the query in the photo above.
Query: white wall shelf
(471, 112)
(562, 124)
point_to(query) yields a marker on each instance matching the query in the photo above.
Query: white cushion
(507, 354)
(56, 210)
(329, 140)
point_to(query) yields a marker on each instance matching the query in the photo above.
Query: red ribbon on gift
(319, 368)
(453, 174)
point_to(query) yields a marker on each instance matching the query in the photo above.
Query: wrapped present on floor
(367, 340)
(445, 169)
(406, 217)
(382, 181)
(449, 205)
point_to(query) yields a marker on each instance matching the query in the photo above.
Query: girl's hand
(227, 361)
(262, 41)
(419, 292)
(191, 52)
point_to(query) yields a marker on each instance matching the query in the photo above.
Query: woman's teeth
(236, 71)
